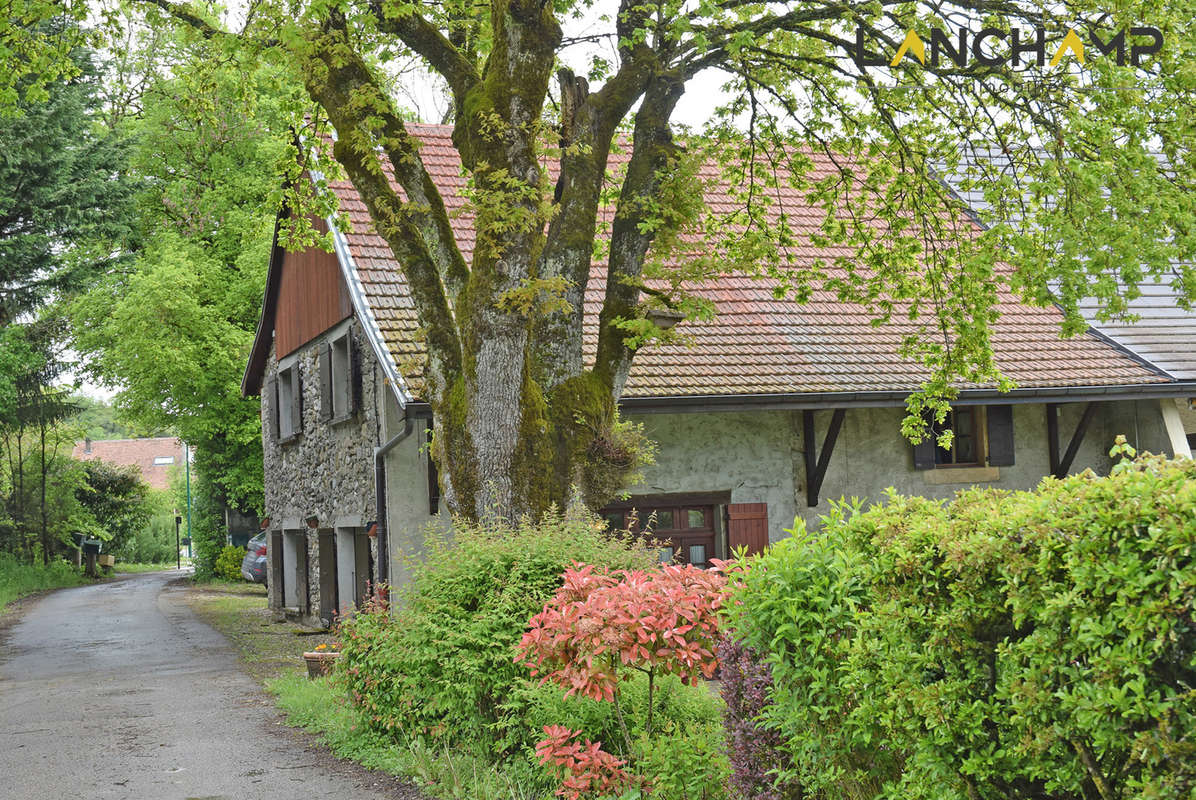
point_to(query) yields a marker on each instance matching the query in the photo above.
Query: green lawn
(18, 580)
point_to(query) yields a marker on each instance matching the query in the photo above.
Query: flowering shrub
(599, 630)
(756, 752)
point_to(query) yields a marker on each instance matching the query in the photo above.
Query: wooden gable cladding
(312, 297)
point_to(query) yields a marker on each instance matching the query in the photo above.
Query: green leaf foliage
(443, 665)
(1003, 645)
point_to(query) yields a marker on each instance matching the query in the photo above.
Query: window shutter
(924, 450)
(273, 409)
(747, 527)
(1000, 435)
(354, 375)
(326, 402)
(924, 453)
(296, 401)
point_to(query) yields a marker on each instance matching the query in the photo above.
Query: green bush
(228, 563)
(1006, 645)
(17, 579)
(153, 544)
(443, 665)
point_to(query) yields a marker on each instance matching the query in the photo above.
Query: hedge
(1003, 645)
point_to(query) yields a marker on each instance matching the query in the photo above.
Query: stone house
(769, 411)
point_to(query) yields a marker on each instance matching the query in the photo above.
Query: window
(162, 461)
(966, 446)
(684, 533)
(288, 415)
(983, 435)
(337, 379)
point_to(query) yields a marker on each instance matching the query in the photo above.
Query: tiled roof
(1164, 333)
(139, 453)
(756, 344)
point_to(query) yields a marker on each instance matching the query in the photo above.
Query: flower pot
(320, 664)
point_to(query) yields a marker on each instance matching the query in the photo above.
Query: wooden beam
(817, 463)
(1061, 466)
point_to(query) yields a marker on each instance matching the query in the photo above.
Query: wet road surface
(117, 690)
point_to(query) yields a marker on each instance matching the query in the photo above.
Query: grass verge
(18, 580)
(319, 707)
(125, 567)
(238, 610)
(272, 653)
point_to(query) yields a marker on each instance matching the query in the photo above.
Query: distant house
(155, 457)
(772, 410)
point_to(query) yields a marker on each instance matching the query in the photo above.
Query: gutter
(888, 399)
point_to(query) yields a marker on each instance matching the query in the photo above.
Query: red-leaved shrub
(598, 627)
(589, 770)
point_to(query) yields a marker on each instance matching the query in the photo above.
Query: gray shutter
(354, 375)
(296, 401)
(1000, 435)
(326, 401)
(924, 453)
(270, 396)
(924, 450)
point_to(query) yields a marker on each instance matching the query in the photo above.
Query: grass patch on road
(126, 567)
(238, 610)
(18, 580)
(272, 653)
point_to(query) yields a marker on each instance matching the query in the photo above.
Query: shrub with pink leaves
(603, 628)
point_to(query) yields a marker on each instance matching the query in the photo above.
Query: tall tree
(64, 195)
(516, 406)
(213, 148)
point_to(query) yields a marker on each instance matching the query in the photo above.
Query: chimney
(87, 446)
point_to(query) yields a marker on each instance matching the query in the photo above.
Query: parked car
(253, 566)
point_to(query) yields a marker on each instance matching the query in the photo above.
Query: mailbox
(91, 547)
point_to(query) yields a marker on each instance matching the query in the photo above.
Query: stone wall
(326, 472)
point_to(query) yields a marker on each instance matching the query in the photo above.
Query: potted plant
(321, 660)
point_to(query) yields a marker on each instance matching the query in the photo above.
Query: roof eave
(888, 399)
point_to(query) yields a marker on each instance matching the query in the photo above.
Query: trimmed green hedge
(1005, 645)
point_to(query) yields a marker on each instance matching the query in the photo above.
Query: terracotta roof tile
(756, 343)
(140, 453)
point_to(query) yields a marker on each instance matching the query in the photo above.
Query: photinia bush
(589, 770)
(603, 627)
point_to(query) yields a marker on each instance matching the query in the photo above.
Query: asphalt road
(117, 690)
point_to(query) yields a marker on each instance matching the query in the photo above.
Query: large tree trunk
(519, 424)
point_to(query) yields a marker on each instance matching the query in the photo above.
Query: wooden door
(277, 587)
(328, 583)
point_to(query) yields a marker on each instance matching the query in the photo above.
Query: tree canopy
(1100, 173)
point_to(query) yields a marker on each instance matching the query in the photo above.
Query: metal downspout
(380, 494)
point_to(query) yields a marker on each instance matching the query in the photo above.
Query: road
(117, 690)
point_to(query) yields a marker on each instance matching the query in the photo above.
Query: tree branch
(426, 40)
(417, 231)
